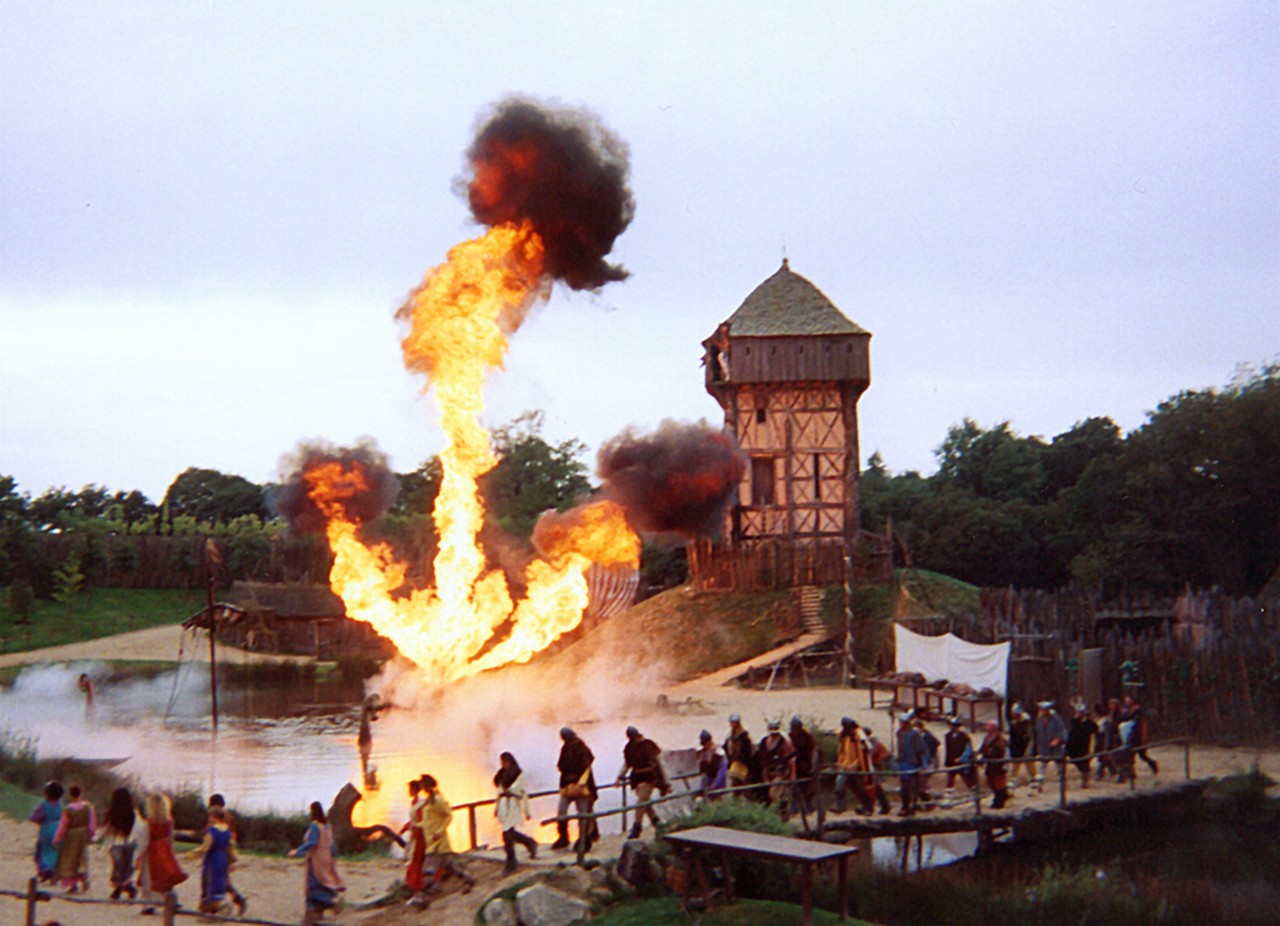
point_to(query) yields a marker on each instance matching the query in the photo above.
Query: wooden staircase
(809, 598)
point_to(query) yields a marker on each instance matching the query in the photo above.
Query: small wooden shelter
(305, 620)
(788, 369)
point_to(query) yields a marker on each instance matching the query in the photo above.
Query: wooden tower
(788, 368)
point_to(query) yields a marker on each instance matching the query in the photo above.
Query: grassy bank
(104, 613)
(741, 913)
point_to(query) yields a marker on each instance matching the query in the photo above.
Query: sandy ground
(275, 885)
(159, 644)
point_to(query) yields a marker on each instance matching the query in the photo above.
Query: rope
(177, 675)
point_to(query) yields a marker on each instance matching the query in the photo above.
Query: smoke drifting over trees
(565, 173)
(678, 479)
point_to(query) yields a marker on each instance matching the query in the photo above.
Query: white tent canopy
(977, 664)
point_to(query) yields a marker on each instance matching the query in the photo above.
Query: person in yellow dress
(439, 863)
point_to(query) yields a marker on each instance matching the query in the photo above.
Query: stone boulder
(543, 905)
(500, 912)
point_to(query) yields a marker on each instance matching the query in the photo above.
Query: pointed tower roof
(788, 304)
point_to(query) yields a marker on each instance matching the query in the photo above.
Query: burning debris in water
(551, 184)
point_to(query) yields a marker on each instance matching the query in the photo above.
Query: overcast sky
(209, 212)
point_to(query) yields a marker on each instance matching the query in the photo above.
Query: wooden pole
(210, 567)
(33, 898)
(850, 668)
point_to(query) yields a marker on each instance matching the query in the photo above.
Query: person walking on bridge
(643, 759)
(994, 752)
(577, 788)
(912, 760)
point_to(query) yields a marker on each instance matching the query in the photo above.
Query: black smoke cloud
(564, 172)
(378, 485)
(679, 479)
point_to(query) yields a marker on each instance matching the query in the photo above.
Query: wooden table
(973, 700)
(887, 684)
(722, 842)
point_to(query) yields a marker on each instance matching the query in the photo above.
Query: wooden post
(806, 894)
(817, 796)
(849, 667)
(211, 558)
(33, 898)
(471, 824)
(842, 885)
(1186, 757)
(1062, 783)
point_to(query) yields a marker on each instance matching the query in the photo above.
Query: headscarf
(508, 772)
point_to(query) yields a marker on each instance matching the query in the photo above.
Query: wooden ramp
(765, 661)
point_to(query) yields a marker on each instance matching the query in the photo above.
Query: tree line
(1192, 497)
(61, 543)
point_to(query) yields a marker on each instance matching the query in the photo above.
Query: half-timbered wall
(797, 438)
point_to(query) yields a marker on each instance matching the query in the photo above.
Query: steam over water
(285, 742)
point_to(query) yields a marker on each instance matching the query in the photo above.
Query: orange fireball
(459, 320)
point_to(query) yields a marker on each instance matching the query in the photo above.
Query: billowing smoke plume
(679, 479)
(562, 171)
(365, 485)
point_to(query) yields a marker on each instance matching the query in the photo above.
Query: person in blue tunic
(912, 759)
(324, 885)
(47, 814)
(218, 851)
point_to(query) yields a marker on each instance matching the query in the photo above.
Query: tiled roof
(788, 304)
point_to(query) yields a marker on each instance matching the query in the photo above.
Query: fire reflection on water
(277, 763)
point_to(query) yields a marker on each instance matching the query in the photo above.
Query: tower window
(762, 482)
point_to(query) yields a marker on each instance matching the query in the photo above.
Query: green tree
(209, 496)
(1071, 453)
(127, 510)
(15, 531)
(68, 580)
(1201, 475)
(22, 601)
(531, 475)
(995, 464)
(418, 490)
(51, 509)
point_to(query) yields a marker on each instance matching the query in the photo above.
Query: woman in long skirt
(47, 815)
(324, 884)
(217, 853)
(120, 834)
(76, 830)
(416, 852)
(158, 867)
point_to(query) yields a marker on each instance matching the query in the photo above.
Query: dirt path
(156, 644)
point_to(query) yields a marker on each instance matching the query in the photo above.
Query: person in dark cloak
(642, 758)
(577, 788)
